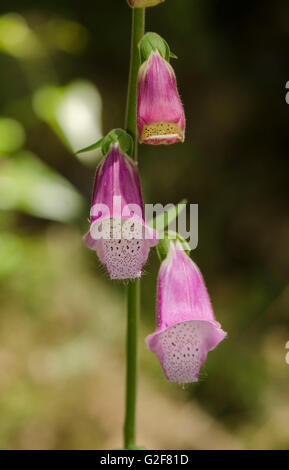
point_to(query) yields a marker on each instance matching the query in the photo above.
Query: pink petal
(186, 326)
(117, 217)
(160, 113)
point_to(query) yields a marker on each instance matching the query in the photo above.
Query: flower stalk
(133, 288)
(186, 326)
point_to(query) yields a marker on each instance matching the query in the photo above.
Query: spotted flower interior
(182, 349)
(165, 132)
(122, 246)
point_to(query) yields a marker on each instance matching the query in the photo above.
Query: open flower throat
(122, 246)
(181, 348)
(161, 132)
(160, 114)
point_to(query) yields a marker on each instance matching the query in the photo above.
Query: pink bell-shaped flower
(118, 232)
(186, 327)
(160, 113)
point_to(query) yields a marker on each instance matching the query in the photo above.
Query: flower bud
(160, 114)
(143, 3)
(186, 327)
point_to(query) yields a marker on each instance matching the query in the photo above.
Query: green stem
(133, 288)
(133, 297)
(137, 32)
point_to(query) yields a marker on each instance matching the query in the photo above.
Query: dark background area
(62, 321)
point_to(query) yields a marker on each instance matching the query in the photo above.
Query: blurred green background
(64, 68)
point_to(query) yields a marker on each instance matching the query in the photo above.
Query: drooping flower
(118, 232)
(186, 326)
(160, 113)
(144, 3)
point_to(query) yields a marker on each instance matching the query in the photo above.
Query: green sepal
(162, 248)
(122, 138)
(163, 245)
(152, 42)
(116, 136)
(173, 56)
(91, 147)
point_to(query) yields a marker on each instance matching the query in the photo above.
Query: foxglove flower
(118, 232)
(144, 3)
(160, 114)
(186, 327)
